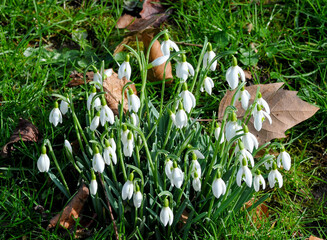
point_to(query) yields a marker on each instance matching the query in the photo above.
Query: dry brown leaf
(113, 86)
(72, 210)
(124, 21)
(259, 214)
(286, 109)
(25, 131)
(314, 238)
(156, 73)
(151, 7)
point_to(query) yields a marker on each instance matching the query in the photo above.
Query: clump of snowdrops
(156, 163)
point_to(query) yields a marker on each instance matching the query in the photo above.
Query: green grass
(289, 41)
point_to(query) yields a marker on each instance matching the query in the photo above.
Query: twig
(189, 44)
(110, 210)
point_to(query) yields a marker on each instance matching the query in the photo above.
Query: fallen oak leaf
(151, 7)
(67, 217)
(124, 21)
(286, 110)
(112, 85)
(25, 131)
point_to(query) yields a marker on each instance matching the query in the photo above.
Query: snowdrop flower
(286, 159)
(275, 176)
(233, 74)
(184, 69)
(177, 176)
(249, 140)
(268, 164)
(166, 214)
(125, 69)
(244, 154)
(128, 188)
(207, 85)
(124, 134)
(109, 154)
(43, 163)
(129, 145)
(232, 127)
(218, 186)
(258, 180)
(55, 116)
(196, 183)
(133, 101)
(64, 106)
(97, 78)
(106, 114)
(196, 167)
(217, 133)
(172, 116)
(93, 184)
(97, 163)
(96, 102)
(181, 117)
(198, 154)
(107, 73)
(112, 142)
(168, 45)
(137, 197)
(259, 117)
(68, 146)
(208, 57)
(244, 173)
(169, 168)
(262, 103)
(95, 122)
(244, 97)
(188, 99)
(135, 119)
(158, 61)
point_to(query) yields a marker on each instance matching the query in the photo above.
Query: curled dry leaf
(156, 73)
(25, 131)
(72, 210)
(113, 86)
(286, 110)
(124, 21)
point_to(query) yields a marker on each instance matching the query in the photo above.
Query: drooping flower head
(64, 106)
(259, 117)
(109, 155)
(96, 102)
(262, 103)
(125, 69)
(128, 187)
(218, 186)
(129, 145)
(249, 140)
(188, 99)
(68, 146)
(137, 197)
(97, 162)
(218, 132)
(244, 97)
(208, 57)
(181, 117)
(55, 116)
(258, 180)
(133, 101)
(97, 78)
(169, 168)
(177, 176)
(166, 214)
(95, 122)
(233, 74)
(232, 127)
(106, 114)
(43, 163)
(275, 177)
(196, 183)
(196, 167)
(244, 154)
(167, 45)
(207, 85)
(184, 69)
(93, 184)
(244, 173)
(285, 158)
